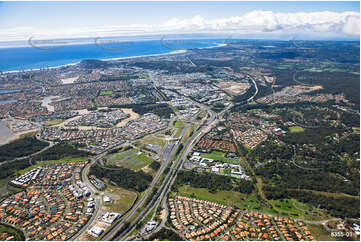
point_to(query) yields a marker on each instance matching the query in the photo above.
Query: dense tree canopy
(60, 151)
(123, 177)
(212, 182)
(21, 147)
(161, 109)
(341, 206)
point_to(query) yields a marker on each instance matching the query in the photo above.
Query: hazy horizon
(264, 20)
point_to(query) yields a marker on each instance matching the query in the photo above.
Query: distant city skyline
(52, 20)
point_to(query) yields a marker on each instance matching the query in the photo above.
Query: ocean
(25, 58)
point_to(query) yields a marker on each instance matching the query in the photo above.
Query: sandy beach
(115, 59)
(15, 136)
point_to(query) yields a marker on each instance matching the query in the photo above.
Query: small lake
(8, 101)
(4, 91)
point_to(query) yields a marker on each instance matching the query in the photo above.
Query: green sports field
(220, 156)
(296, 129)
(130, 159)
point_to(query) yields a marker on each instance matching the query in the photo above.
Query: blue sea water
(23, 58)
(5, 91)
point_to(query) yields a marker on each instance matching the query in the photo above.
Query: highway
(112, 231)
(255, 85)
(168, 153)
(165, 186)
(171, 176)
(212, 122)
(98, 198)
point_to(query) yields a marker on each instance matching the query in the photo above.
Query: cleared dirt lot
(234, 88)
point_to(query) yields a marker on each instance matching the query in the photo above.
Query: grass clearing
(295, 209)
(254, 203)
(286, 207)
(284, 66)
(178, 133)
(220, 156)
(320, 233)
(174, 108)
(105, 93)
(130, 159)
(121, 155)
(177, 123)
(149, 216)
(151, 140)
(223, 197)
(134, 232)
(296, 129)
(187, 134)
(124, 201)
(231, 198)
(136, 163)
(144, 158)
(285, 204)
(254, 110)
(54, 122)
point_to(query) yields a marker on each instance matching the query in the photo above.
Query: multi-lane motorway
(98, 198)
(168, 181)
(168, 153)
(166, 184)
(117, 232)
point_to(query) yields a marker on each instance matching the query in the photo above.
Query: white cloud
(256, 22)
(266, 21)
(352, 25)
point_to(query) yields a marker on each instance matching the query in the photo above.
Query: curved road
(165, 188)
(170, 178)
(167, 182)
(51, 144)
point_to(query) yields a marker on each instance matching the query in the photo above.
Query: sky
(309, 20)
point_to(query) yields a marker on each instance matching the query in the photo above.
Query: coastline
(16, 135)
(140, 56)
(114, 59)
